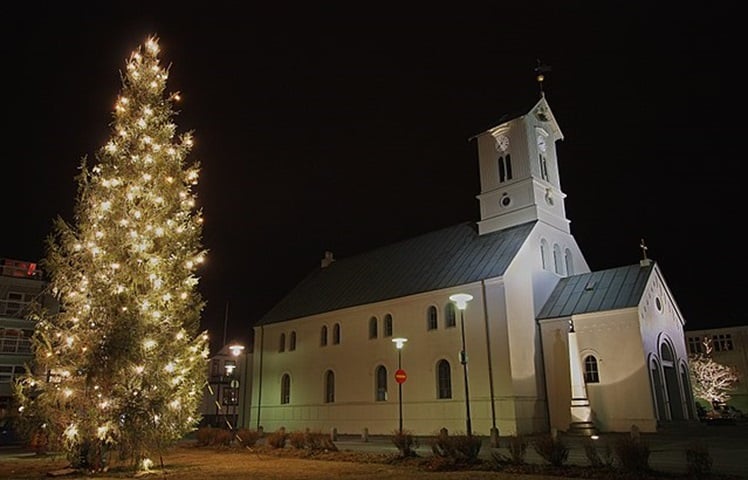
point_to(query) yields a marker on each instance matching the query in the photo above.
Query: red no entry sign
(401, 376)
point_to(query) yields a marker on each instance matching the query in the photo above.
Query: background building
(729, 347)
(21, 283)
(227, 387)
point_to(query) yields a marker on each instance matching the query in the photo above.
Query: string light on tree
(120, 367)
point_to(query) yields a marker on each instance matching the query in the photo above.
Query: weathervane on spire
(645, 261)
(540, 70)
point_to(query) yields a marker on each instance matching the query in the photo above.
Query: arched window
(336, 334)
(443, 380)
(373, 327)
(388, 325)
(292, 342)
(381, 386)
(329, 387)
(591, 374)
(569, 262)
(544, 253)
(323, 336)
(450, 318)
(431, 318)
(282, 346)
(285, 389)
(557, 266)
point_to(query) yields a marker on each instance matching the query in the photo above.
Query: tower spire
(540, 70)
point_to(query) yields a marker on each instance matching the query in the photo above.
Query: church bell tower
(519, 172)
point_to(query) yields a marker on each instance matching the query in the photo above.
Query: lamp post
(400, 377)
(236, 351)
(460, 300)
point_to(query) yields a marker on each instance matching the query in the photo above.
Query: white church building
(547, 343)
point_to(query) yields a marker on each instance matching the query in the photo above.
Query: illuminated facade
(324, 357)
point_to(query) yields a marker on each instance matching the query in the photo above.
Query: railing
(19, 268)
(14, 308)
(15, 344)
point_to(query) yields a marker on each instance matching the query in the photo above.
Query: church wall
(354, 362)
(622, 370)
(662, 322)
(614, 338)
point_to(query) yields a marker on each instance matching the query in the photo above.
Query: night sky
(347, 128)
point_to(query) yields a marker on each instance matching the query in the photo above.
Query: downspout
(494, 430)
(259, 378)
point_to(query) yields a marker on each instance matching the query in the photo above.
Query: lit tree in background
(711, 380)
(121, 367)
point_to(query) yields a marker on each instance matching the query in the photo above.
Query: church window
(285, 389)
(381, 377)
(336, 334)
(505, 168)
(323, 336)
(591, 374)
(569, 262)
(557, 266)
(373, 327)
(292, 342)
(544, 253)
(450, 319)
(329, 387)
(431, 318)
(443, 379)
(388, 325)
(543, 167)
(282, 345)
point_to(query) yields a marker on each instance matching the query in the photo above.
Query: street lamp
(460, 300)
(236, 350)
(400, 376)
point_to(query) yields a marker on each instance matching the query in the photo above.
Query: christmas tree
(121, 366)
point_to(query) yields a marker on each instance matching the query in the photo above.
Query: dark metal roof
(603, 290)
(452, 256)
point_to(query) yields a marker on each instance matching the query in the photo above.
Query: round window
(506, 201)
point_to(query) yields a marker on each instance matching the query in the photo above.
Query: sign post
(400, 377)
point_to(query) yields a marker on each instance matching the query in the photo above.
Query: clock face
(502, 143)
(541, 143)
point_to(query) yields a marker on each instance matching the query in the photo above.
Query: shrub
(223, 437)
(278, 438)
(461, 448)
(297, 440)
(405, 443)
(247, 437)
(551, 449)
(632, 454)
(699, 460)
(517, 449)
(318, 441)
(596, 459)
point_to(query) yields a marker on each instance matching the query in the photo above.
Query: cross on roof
(643, 246)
